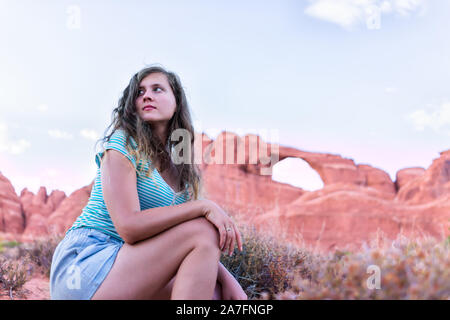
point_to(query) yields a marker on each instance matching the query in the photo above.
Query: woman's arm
(147, 223)
(121, 198)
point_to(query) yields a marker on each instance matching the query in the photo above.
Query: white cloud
(343, 13)
(58, 134)
(386, 7)
(436, 119)
(11, 147)
(405, 7)
(350, 13)
(89, 134)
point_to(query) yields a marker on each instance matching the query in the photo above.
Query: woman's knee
(203, 232)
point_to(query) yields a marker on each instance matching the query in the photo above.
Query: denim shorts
(81, 262)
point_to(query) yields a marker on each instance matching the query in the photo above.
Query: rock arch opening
(298, 173)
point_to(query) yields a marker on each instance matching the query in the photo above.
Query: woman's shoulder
(121, 136)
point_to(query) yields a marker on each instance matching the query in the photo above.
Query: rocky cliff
(357, 200)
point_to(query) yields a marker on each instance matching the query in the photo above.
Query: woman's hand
(229, 234)
(232, 290)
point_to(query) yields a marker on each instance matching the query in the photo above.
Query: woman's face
(155, 90)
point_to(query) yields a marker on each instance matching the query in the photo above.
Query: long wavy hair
(149, 145)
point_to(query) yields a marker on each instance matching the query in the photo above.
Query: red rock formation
(37, 208)
(356, 202)
(69, 209)
(342, 215)
(11, 217)
(432, 184)
(404, 176)
(335, 169)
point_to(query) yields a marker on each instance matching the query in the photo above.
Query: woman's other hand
(229, 233)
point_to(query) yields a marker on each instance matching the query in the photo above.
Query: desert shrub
(408, 269)
(40, 252)
(13, 274)
(265, 266)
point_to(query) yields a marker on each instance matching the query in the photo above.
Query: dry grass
(13, 275)
(270, 267)
(265, 265)
(18, 261)
(40, 252)
(408, 269)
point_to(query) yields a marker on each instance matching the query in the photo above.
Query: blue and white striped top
(153, 191)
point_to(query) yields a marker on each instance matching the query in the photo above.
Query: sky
(364, 79)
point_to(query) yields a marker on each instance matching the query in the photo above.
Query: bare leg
(143, 269)
(166, 292)
(217, 292)
(197, 275)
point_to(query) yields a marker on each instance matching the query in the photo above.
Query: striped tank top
(153, 191)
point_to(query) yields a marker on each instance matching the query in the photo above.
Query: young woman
(145, 232)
